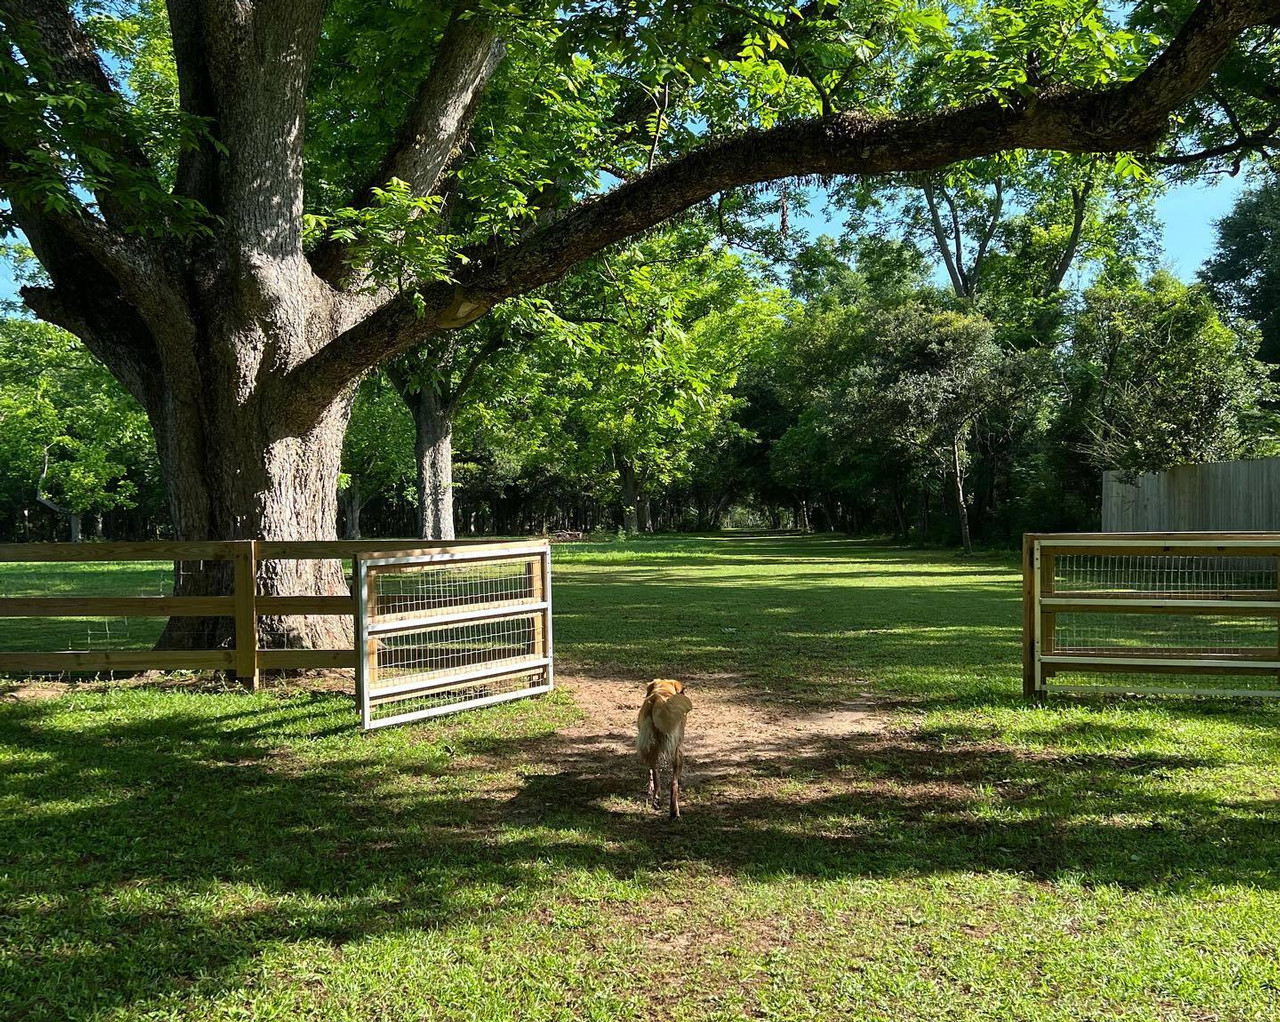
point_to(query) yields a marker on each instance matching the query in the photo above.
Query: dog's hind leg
(677, 767)
(653, 787)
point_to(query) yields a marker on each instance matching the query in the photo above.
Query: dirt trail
(727, 732)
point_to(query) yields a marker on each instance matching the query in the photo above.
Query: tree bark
(250, 484)
(630, 481)
(961, 506)
(433, 449)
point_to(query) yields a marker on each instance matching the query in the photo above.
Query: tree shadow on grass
(159, 857)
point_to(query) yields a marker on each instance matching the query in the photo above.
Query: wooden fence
(243, 604)
(1156, 604)
(1223, 496)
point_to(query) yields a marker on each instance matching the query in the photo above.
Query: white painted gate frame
(367, 633)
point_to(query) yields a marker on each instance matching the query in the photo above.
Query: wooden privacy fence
(242, 604)
(1220, 496)
(1130, 612)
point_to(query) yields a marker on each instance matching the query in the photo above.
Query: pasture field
(876, 826)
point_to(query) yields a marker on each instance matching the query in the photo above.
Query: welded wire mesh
(440, 588)
(452, 648)
(1169, 575)
(1165, 634)
(1193, 622)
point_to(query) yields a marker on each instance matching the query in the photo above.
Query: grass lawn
(171, 853)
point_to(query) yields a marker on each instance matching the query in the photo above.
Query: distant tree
(1244, 271)
(943, 373)
(1154, 378)
(71, 439)
(378, 453)
(666, 327)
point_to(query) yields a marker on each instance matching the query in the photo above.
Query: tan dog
(660, 733)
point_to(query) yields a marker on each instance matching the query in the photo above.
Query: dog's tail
(654, 745)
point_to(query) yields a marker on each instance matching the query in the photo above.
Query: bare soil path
(729, 734)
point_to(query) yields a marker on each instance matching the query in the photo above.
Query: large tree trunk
(630, 481)
(433, 449)
(243, 484)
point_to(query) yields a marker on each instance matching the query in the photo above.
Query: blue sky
(1187, 214)
(1187, 211)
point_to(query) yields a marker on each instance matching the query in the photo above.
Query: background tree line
(685, 383)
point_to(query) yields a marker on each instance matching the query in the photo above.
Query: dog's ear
(679, 686)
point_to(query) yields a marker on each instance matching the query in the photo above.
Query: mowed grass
(213, 855)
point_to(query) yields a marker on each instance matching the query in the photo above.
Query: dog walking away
(660, 734)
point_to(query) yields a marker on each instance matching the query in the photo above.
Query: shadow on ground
(105, 891)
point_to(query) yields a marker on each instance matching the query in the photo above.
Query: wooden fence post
(1028, 616)
(246, 592)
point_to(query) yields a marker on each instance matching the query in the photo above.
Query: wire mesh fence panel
(1164, 634)
(1171, 575)
(96, 609)
(418, 591)
(1153, 614)
(447, 631)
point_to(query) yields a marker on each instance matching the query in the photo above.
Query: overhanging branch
(1129, 117)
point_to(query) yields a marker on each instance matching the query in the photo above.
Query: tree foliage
(67, 432)
(1244, 272)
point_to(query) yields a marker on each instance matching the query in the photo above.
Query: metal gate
(451, 628)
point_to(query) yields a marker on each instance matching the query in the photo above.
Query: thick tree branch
(77, 248)
(245, 67)
(436, 125)
(108, 326)
(442, 110)
(1129, 117)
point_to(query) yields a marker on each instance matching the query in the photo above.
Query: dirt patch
(32, 691)
(727, 734)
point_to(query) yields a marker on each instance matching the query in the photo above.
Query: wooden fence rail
(244, 604)
(1178, 603)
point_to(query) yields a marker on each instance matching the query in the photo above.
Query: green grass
(213, 855)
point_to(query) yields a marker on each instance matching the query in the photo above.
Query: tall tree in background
(378, 451)
(1156, 379)
(665, 327)
(171, 225)
(1244, 271)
